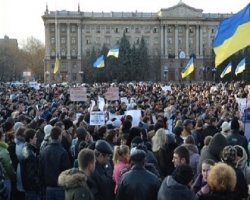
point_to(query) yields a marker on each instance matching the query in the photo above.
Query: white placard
(136, 114)
(101, 103)
(111, 116)
(92, 105)
(112, 94)
(242, 104)
(34, 85)
(166, 88)
(78, 94)
(124, 99)
(97, 118)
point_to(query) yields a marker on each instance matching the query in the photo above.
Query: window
(63, 40)
(107, 29)
(98, 29)
(137, 29)
(52, 40)
(97, 40)
(73, 28)
(204, 29)
(74, 65)
(73, 76)
(169, 50)
(180, 41)
(117, 40)
(63, 28)
(156, 52)
(73, 52)
(127, 30)
(107, 40)
(156, 30)
(52, 28)
(180, 30)
(87, 29)
(170, 41)
(63, 65)
(137, 40)
(88, 41)
(212, 30)
(117, 30)
(88, 52)
(146, 29)
(191, 30)
(53, 53)
(63, 52)
(191, 40)
(156, 41)
(73, 40)
(169, 29)
(146, 40)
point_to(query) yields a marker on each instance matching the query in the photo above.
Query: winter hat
(40, 121)
(67, 124)
(11, 120)
(137, 155)
(47, 130)
(183, 174)
(116, 123)
(225, 127)
(235, 124)
(229, 153)
(81, 133)
(7, 126)
(18, 125)
(178, 130)
(136, 141)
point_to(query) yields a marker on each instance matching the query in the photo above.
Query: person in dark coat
(177, 186)
(40, 132)
(101, 180)
(178, 139)
(211, 130)
(29, 166)
(138, 183)
(3, 187)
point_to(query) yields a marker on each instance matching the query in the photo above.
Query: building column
(79, 41)
(176, 41)
(201, 41)
(187, 41)
(47, 41)
(166, 41)
(209, 41)
(162, 38)
(68, 40)
(58, 40)
(197, 41)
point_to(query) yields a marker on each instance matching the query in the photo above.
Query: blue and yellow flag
(188, 69)
(227, 70)
(57, 64)
(99, 63)
(240, 67)
(233, 35)
(113, 52)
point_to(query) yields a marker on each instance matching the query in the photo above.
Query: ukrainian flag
(233, 35)
(189, 68)
(99, 63)
(240, 67)
(227, 70)
(113, 52)
(57, 64)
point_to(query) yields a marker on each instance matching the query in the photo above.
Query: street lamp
(202, 69)
(47, 76)
(214, 72)
(81, 74)
(165, 73)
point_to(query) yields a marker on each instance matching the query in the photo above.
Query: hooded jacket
(242, 165)
(172, 190)
(215, 147)
(75, 185)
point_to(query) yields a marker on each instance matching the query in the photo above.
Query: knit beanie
(235, 124)
(183, 174)
(67, 123)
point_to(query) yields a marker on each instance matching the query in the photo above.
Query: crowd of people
(190, 143)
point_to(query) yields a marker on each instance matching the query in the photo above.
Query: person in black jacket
(53, 160)
(29, 165)
(3, 187)
(138, 183)
(101, 180)
(211, 130)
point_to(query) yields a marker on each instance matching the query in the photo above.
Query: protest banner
(136, 114)
(97, 118)
(112, 94)
(78, 94)
(34, 85)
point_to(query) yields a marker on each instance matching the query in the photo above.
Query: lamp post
(81, 74)
(214, 72)
(202, 69)
(165, 73)
(47, 76)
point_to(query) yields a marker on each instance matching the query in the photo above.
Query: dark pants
(31, 195)
(54, 193)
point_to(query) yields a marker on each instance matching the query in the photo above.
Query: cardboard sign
(112, 94)
(34, 85)
(97, 118)
(78, 94)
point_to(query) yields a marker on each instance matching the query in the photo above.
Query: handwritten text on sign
(112, 93)
(78, 94)
(97, 118)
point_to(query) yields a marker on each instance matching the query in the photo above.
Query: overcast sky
(22, 18)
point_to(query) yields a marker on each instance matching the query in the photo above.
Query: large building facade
(174, 33)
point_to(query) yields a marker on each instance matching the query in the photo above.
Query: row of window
(63, 40)
(63, 28)
(63, 52)
(181, 29)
